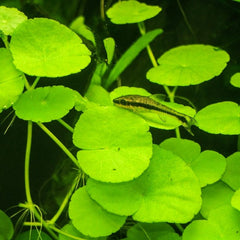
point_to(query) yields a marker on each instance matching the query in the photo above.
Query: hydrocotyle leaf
(235, 80)
(33, 234)
(117, 145)
(168, 191)
(131, 12)
(220, 118)
(130, 55)
(235, 201)
(10, 18)
(6, 226)
(90, 218)
(232, 173)
(109, 45)
(44, 47)
(11, 80)
(45, 104)
(188, 65)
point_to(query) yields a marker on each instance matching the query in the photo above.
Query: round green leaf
(6, 226)
(117, 144)
(202, 230)
(44, 47)
(232, 173)
(109, 45)
(45, 104)
(235, 201)
(11, 80)
(209, 167)
(33, 234)
(167, 191)
(188, 65)
(131, 12)
(89, 218)
(235, 80)
(221, 117)
(10, 18)
(214, 196)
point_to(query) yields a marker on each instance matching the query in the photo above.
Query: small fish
(144, 103)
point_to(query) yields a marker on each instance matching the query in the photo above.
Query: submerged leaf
(45, 104)
(109, 45)
(10, 18)
(221, 117)
(91, 219)
(235, 201)
(44, 47)
(131, 12)
(235, 80)
(188, 65)
(6, 226)
(11, 81)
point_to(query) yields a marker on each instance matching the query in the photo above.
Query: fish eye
(123, 102)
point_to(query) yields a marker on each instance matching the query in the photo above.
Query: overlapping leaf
(188, 65)
(44, 47)
(235, 80)
(6, 227)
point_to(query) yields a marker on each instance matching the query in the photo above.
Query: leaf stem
(5, 41)
(35, 82)
(59, 143)
(66, 125)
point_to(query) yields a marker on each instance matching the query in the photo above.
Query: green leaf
(232, 173)
(11, 81)
(89, 218)
(235, 80)
(10, 18)
(33, 234)
(208, 166)
(235, 201)
(167, 191)
(146, 231)
(214, 196)
(109, 45)
(131, 12)
(130, 55)
(69, 229)
(79, 27)
(6, 226)
(117, 145)
(45, 104)
(44, 47)
(221, 117)
(188, 65)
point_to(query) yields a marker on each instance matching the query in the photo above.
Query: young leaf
(232, 173)
(167, 191)
(221, 117)
(45, 104)
(131, 12)
(117, 145)
(235, 201)
(10, 18)
(33, 234)
(188, 65)
(6, 226)
(235, 80)
(44, 47)
(130, 55)
(109, 45)
(91, 219)
(11, 81)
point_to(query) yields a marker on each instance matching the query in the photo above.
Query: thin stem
(5, 41)
(59, 143)
(145, 232)
(64, 203)
(66, 234)
(27, 85)
(27, 163)
(35, 82)
(102, 9)
(179, 226)
(67, 126)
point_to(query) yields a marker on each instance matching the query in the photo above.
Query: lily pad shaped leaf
(6, 226)
(45, 104)
(131, 12)
(235, 201)
(117, 145)
(220, 118)
(232, 173)
(208, 166)
(44, 47)
(168, 191)
(188, 65)
(10, 18)
(90, 218)
(11, 80)
(235, 80)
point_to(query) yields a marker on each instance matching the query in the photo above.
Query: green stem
(59, 143)
(27, 85)
(66, 234)
(27, 163)
(179, 226)
(64, 203)
(67, 126)
(35, 82)
(5, 41)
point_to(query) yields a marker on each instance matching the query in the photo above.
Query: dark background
(214, 22)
